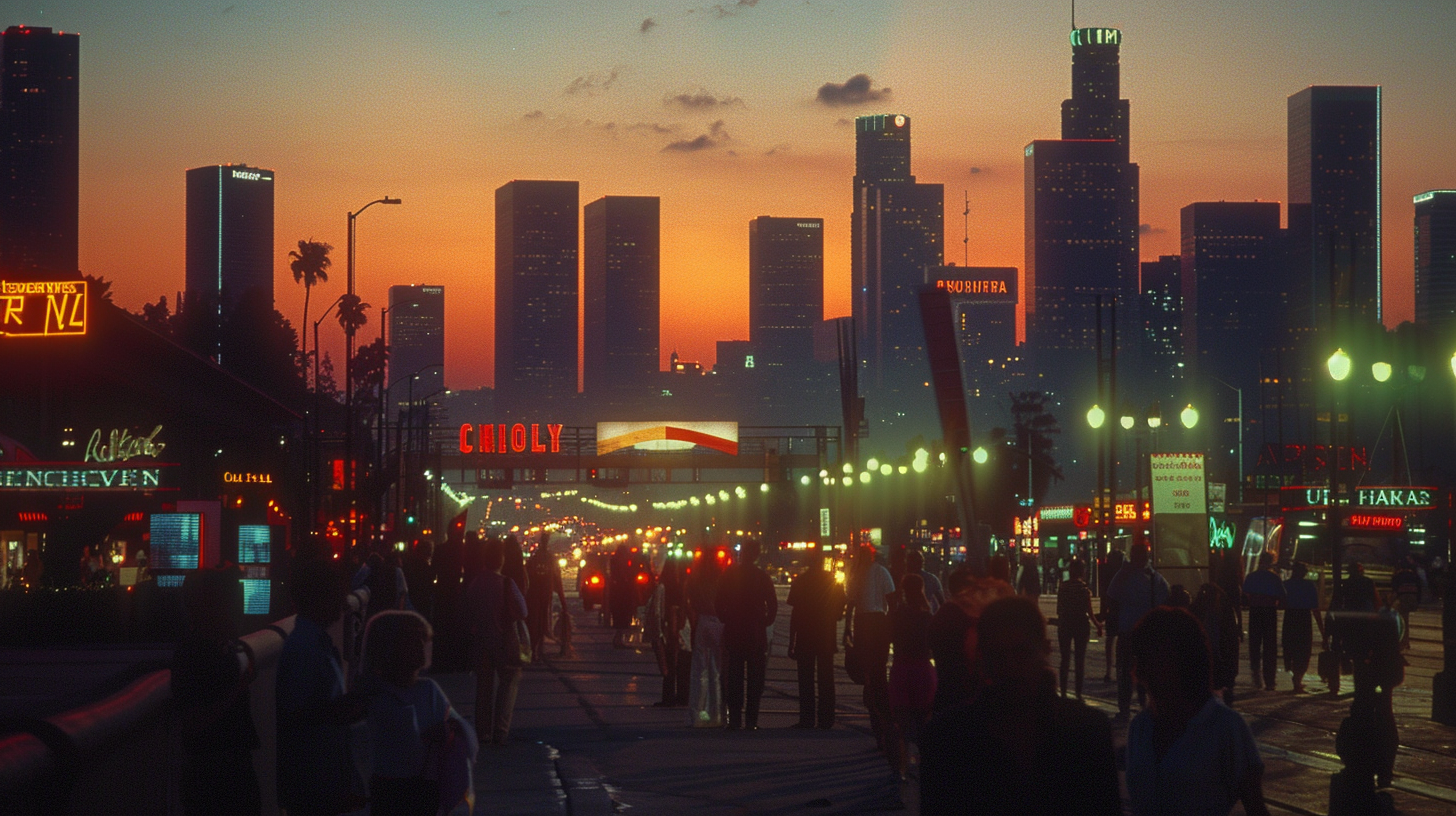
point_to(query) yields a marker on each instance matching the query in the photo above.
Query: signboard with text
(1177, 482)
(42, 308)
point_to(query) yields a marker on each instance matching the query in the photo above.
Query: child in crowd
(413, 730)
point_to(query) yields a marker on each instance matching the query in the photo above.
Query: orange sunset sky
(712, 107)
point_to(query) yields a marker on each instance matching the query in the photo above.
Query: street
(597, 740)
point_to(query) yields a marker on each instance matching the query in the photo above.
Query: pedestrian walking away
(818, 604)
(1075, 620)
(493, 605)
(1264, 594)
(1301, 615)
(747, 605)
(1135, 589)
(871, 592)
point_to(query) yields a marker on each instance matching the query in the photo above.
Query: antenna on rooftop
(1074, 15)
(966, 231)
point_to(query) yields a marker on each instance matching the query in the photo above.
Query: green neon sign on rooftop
(1096, 36)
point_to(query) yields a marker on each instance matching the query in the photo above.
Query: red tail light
(595, 579)
(641, 577)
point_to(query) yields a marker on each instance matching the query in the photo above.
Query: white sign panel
(1178, 486)
(824, 521)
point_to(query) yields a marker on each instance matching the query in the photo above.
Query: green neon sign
(1095, 36)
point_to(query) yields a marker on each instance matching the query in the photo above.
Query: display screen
(254, 543)
(176, 540)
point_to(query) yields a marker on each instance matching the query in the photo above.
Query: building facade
(1334, 203)
(1435, 253)
(622, 272)
(536, 233)
(229, 236)
(40, 137)
(785, 288)
(416, 340)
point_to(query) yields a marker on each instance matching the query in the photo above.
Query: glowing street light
(1096, 416)
(979, 455)
(1381, 371)
(1339, 365)
(1189, 416)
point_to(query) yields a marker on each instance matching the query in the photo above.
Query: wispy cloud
(721, 10)
(592, 84)
(857, 90)
(715, 136)
(1149, 229)
(700, 100)
(647, 25)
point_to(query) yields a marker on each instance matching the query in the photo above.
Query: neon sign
(42, 308)
(1412, 498)
(123, 446)
(973, 287)
(1366, 521)
(247, 175)
(1220, 534)
(34, 478)
(505, 438)
(247, 478)
(1096, 36)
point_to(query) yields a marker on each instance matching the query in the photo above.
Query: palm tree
(310, 265)
(352, 314)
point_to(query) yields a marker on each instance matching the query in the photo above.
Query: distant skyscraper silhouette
(536, 232)
(785, 288)
(229, 236)
(1081, 215)
(1334, 202)
(983, 306)
(1160, 308)
(40, 136)
(416, 343)
(1436, 259)
(623, 270)
(897, 231)
(1234, 298)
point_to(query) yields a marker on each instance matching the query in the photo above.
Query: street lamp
(317, 446)
(349, 375)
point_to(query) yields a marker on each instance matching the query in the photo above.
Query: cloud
(978, 170)
(1149, 229)
(700, 100)
(592, 84)
(721, 10)
(648, 25)
(844, 122)
(653, 127)
(854, 91)
(535, 114)
(715, 136)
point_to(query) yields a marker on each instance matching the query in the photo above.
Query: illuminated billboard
(667, 436)
(988, 284)
(42, 308)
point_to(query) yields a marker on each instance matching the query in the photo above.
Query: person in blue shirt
(1135, 589)
(1301, 614)
(1264, 594)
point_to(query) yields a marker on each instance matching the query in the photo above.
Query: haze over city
(726, 111)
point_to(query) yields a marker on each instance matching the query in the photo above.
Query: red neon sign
(1367, 521)
(505, 438)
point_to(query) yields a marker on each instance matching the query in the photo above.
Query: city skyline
(708, 108)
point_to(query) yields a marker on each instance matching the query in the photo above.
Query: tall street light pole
(317, 444)
(1240, 392)
(349, 377)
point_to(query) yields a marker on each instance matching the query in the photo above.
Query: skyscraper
(983, 306)
(1081, 215)
(1160, 313)
(536, 232)
(40, 126)
(622, 262)
(897, 231)
(785, 288)
(1436, 259)
(1334, 203)
(416, 343)
(1233, 294)
(229, 236)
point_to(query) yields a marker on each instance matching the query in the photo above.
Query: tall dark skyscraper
(1082, 215)
(897, 231)
(1160, 313)
(40, 137)
(1234, 299)
(623, 268)
(416, 343)
(536, 232)
(229, 236)
(1436, 259)
(1334, 202)
(785, 288)
(983, 306)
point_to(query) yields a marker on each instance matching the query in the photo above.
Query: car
(591, 581)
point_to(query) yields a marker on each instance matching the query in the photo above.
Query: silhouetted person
(1367, 739)
(673, 641)
(1405, 583)
(493, 604)
(210, 691)
(912, 677)
(410, 718)
(1357, 594)
(1186, 752)
(1111, 565)
(419, 576)
(1264, 594)
(818, 604)
(452, 647)
(705, 689)
(316, 770)
(871, 593)
(1301, 614)
(747, 605)
(1017, 747)
(1219, 618)
(934, 591)
(622, 595)
(543, 584)
(1136, 588)
(1075, 620)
